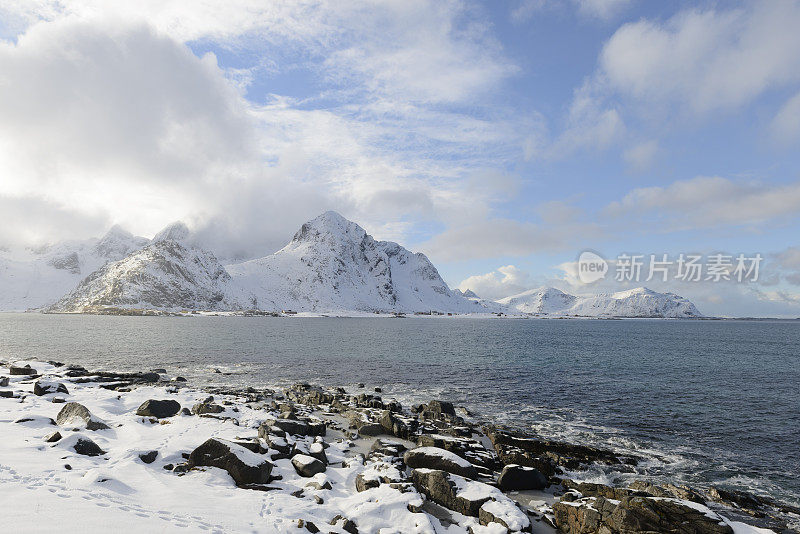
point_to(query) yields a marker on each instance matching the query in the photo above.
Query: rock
(87, 447)
(591, 489)
(159, 370)
(73, 411)
(306, 465)
(517, 477)
(378, 390)
(438, 408)
(245, 467)
(150, 377)
(436, 458)
(668, 490)
(454, 492)
(43, 387)
(388, 447)
(292, 426)
(3, 381)
(148, 457)
(179, 379)
(158, 408)
(317, 450)
(370, 429)
(206, 407)
(506, 513)
(6, 394)
(186, 411)
(635, 514)
(58, 400)
(363, 483)
(21, 371)
(52, 438)
(361, 384)
(739, 498)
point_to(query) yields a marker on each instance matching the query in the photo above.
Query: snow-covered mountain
(166, 274)
(332, 264)
(33, 278)
(543, 300)
(639, 302)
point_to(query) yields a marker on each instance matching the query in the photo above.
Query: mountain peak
(116, 231)
(329, 224)
(177, 231)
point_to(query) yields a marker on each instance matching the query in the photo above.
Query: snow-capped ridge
(176, 231)
(637, 302)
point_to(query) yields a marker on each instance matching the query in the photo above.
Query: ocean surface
(706, 402)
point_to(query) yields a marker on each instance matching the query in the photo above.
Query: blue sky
(489, 135)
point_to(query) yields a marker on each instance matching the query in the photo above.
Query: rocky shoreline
(319, 459)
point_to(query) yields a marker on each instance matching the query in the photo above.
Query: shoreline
(352, 423)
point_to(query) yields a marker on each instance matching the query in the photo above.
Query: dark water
(706, 402)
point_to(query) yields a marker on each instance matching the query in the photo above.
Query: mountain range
(330, 265)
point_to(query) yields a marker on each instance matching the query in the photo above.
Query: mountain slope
(333, 264)
(34, 278)
(166, 274)
(639, 302)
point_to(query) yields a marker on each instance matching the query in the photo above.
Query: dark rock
(3, 381)
(73, 411)
(68, 467)
(370, 429)
(229, 456)
(363, 483)
(158, 408)
(435, 458)
(179, 379)
(668, 490)
(517, 477)
(186, 411)
(437, 407)
(378, 390)
(148, 457)
(307, 466)
(388, 447)
(633, 515)
(159, 371)
(87, 447)
(350, 526)
(6, 394)
(441, 488)
(207, 408)
(43, 387)
(21, 371)
(150, 377)
(168, 467)
(293, 426)
(52, 438)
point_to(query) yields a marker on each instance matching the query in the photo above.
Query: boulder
(244, 466)
(43, 387)
(668, 490)
(517, 477)
(21, 371)
(636, 514)
(207, 407)
(87, 447)
(148, 457)
(3, 381)
(506, 513)
(436, 458)
(387, 447)
(159, 408)
(52, 438)
(370, 429)
(439, 408)
(307, 466)
(73, 412)
(454, 492)
(295, 427)
(317, 450)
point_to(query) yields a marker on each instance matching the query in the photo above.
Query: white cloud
(602, 9)
(641, 157)
(708, 202)
(505, 281)
(108, 115)
(786, 124)
(596, 9)
(705, 60)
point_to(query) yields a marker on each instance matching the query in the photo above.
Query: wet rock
(517, 478)
(21, 371)
(73, 412)
(148, 457)
(159, 409)
(440, 459)
(307, 466)
(244, 466)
